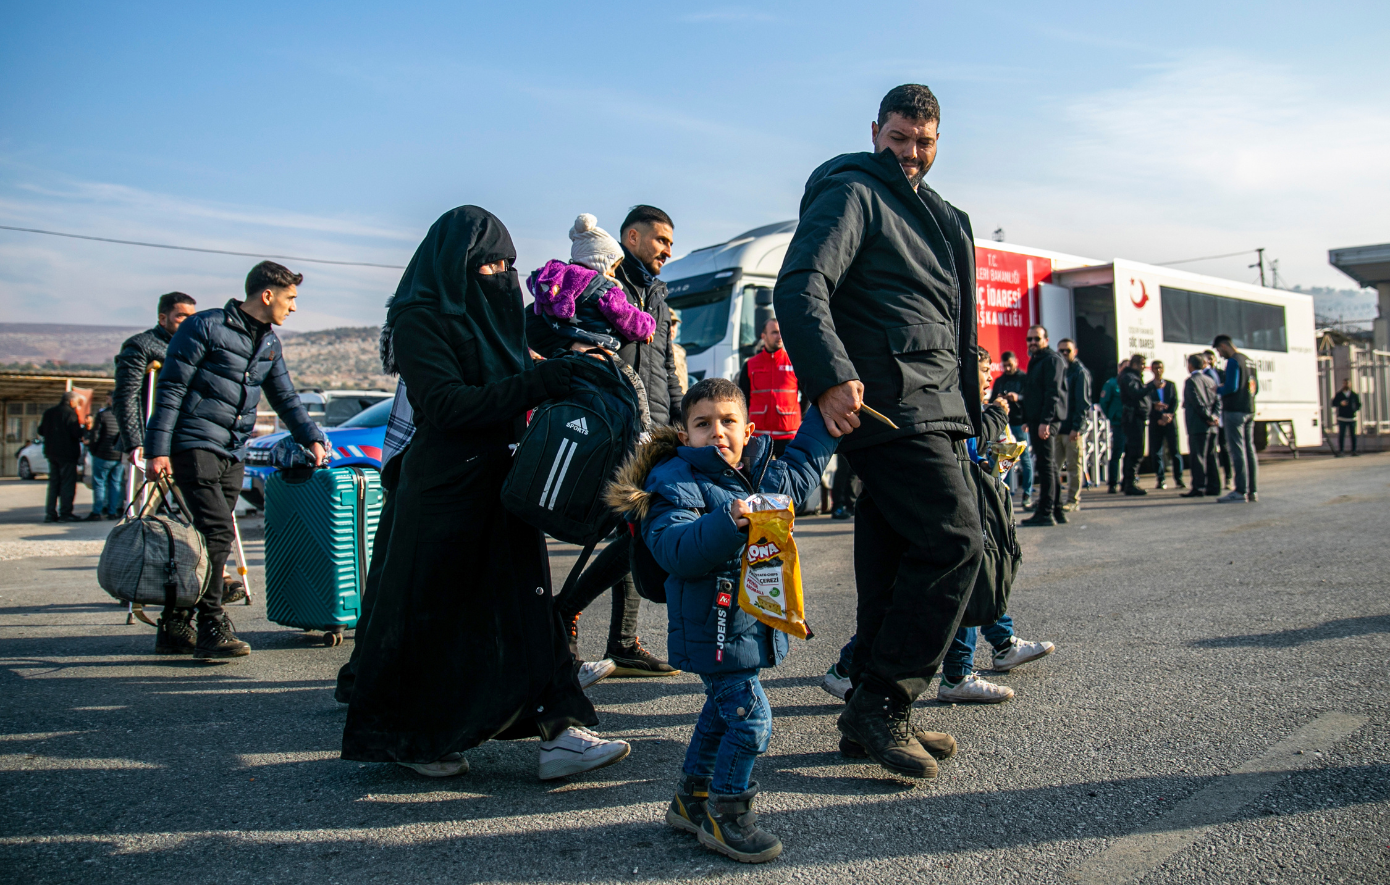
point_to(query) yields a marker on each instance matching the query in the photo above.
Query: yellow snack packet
(770, 584)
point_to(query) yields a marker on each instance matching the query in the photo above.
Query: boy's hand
(739, 510)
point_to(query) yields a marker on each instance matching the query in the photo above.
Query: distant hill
(330, 358)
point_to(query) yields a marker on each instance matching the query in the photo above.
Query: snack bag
(770, 586)
(1006, 451)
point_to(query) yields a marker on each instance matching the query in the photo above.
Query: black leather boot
(731, 828)
(687, 809)
(938, 743)
(174, 634)
(883, 727)
(217, 639)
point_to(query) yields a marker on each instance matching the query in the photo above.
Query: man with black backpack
(205, 409)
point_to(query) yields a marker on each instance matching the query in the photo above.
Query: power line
(1208, 258)
(54, 233)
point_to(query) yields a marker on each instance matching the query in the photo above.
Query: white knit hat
(593, 246)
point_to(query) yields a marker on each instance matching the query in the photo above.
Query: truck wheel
(25, 471)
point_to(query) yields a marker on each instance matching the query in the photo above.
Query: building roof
(30, 387)
(1367, 265)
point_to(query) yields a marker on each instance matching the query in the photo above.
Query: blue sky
(1147, 131)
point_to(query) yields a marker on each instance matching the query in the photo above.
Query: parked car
(357, 441)
(32, 463)
(330, 408)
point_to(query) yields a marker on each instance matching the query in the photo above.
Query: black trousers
(1201, 448)
(845, 490)
(62, 486)
(211, 485)
(1046, 472)
(1117, 451)
(1134, 449)
(917, 549)
(1223, 457)
(347, 674)
(1163, 442)
(1345, 429)
(609, 570)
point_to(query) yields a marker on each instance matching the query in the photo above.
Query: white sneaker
(1021, 651)
(592, 671)
(451, 765)
(1253, 498)
(578, 749)
(1232, 498)
(834, 683)
(974, 690)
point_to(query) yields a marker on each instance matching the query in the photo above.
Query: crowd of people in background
(462, 640)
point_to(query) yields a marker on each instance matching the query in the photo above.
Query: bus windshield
(704, 318)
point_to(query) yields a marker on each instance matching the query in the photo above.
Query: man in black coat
(876, 300)
(647, 237)
(137, 354)
(1163, 425)
(1347, 403)
(1009, 387)
(1044, 411)
(62, 445)
(1201, 412)
(1134, 397)
(205, 409)
(104, 443)
(1078, 421)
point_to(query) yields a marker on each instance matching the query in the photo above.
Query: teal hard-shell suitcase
(318, 540)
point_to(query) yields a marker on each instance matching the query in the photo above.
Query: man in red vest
(769, 385)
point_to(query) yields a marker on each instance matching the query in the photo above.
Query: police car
(357, 441)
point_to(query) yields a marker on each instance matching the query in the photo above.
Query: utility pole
(1260, 263)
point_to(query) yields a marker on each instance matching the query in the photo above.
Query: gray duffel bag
(155, 558)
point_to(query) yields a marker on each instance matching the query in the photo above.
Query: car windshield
(704, 319)
(341, 409)
(372, 416)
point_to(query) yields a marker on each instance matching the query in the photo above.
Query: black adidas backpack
(569, 453)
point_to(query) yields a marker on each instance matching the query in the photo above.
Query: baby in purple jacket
(583, 303)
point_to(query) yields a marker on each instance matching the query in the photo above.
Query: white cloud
(1203, 156)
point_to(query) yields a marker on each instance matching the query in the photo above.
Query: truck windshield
(704, 318)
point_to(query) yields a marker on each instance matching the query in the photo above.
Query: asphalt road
(1215, 713)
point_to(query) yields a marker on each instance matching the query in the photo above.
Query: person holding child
(687, 488)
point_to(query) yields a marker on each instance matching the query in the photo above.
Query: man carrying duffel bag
(205, 409)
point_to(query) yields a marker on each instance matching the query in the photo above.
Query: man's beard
(916, 179)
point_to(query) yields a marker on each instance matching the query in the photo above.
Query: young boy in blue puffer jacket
(687, 488)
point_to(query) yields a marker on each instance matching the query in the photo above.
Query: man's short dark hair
(645, 215)
(720, 390)
(1220, 340)
(1041, 327)
(1066, 341)
(1196, 361)
(269, 275)
(1156, 363)
(767, 322)
(911, 100)
(1007, 355)
(169, 299)
(1136, 361)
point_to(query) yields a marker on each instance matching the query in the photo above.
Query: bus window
(1197, 318)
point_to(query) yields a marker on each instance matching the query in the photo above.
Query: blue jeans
(1240, 442)
(108, 488)
(960, 657)
(1022, 474)
(731, 733)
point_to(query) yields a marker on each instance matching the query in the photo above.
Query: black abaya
(463, 644)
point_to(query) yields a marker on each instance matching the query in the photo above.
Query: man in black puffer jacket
(1045, 411)
(646, 237)
(205, 409)
(876, 299)
(1134, 395)
(137, 354)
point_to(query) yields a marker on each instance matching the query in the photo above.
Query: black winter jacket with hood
(129, 398)
(879, 285)
(211, 383)
(1045, 390)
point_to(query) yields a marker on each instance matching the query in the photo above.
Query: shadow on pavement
(1342, 628)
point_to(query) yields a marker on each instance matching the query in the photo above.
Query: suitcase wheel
(332, 639)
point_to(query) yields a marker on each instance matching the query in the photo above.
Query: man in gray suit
(1201, 410)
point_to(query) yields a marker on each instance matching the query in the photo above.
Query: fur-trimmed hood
(627, 492)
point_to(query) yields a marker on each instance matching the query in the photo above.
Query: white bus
(722, 294)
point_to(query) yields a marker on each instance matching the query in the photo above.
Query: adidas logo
(579, 424)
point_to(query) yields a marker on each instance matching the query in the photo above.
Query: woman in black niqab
(463, 646)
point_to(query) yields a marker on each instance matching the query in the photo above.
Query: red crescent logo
(1143, 299)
